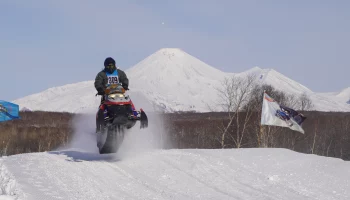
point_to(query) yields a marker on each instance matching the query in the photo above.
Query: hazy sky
(47, 43)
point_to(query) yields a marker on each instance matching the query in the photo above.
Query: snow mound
(8, 185)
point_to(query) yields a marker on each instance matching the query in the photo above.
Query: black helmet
(110, 65)
(108, 61)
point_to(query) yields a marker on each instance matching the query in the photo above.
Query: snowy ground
(175, 174)
(140, 170)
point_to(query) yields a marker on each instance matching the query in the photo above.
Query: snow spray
(84, 132)
(138, 141)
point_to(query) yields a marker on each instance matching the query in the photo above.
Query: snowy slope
(344, 95)
(273, 174)
(281, 82)
(67, 98)
(321, 101)
(76, 98)
(172, 80)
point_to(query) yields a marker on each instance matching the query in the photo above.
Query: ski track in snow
(273, 174)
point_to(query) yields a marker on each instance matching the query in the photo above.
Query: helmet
(108, 61)
(109, 65)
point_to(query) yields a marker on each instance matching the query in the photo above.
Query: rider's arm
(99, 82)
(123, 78)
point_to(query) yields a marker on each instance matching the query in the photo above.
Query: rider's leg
(100, 116)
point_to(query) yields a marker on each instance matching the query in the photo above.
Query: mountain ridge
(173, 80)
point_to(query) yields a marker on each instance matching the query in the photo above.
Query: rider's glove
(101, 92)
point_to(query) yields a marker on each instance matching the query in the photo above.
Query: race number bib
(112, 80)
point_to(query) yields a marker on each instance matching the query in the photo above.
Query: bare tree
(291, 101)
(234, 96)
(305, 102)
(315, 135)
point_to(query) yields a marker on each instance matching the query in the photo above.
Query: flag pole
(260, 126)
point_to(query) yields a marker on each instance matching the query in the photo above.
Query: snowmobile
(119, 114)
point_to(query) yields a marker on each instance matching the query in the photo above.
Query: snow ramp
(273, 174)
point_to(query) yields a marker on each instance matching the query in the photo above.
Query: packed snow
(145, 167)
(175, 174)
(344, 95)
(172, 80)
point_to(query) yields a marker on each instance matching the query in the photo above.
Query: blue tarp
(8, 111)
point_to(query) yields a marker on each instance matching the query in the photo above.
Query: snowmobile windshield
(115, 89)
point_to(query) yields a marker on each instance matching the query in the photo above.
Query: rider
(109, 75)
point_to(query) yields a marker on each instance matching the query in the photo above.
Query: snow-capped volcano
(172, 80)
(175, 80)
(169, 64)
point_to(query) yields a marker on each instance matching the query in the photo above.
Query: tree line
(35, 132)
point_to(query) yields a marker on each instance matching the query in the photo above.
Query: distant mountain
(344, 95)
(172, 80)
(24, 109)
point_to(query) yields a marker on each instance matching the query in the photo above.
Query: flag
(8, 111)
(277, 115)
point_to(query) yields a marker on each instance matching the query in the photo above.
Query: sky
(44, 44)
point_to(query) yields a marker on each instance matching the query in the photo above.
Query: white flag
(276, 115)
